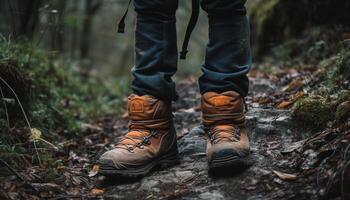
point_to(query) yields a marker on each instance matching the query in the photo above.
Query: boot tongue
(138, 134)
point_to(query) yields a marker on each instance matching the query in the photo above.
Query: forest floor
(284, 157)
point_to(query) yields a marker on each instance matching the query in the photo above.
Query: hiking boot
(223, 119)
(150, 142)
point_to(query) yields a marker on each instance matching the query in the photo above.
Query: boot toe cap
(111, 160)
(227, 152)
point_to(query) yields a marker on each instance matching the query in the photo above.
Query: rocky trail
(282, 164)
(271, 133)
(273, 137)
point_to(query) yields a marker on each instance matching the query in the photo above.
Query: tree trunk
(23, 15)
(91, 8)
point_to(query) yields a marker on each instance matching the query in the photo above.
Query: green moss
(343, 66)
(343, 111)
(57, 91)
(56, 95)
(312, 113)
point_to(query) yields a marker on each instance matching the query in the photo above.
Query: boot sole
(164, 161)
(233, 162)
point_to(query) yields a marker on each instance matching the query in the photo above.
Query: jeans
(228, 54)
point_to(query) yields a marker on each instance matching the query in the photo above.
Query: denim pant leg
(155, 49)
(228, 55)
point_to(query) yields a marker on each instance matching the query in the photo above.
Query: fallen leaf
(297, 96)
(94, 170)
(294, 84)
(285, 176)
(293, 99)
(294, 146)
(96, 191)
(284, 105)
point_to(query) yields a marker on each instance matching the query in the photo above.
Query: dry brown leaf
(94, 170)
(285, 176)
(294, 84)
(293, 99)
(284, 105)
(96, 191)
(297, 96)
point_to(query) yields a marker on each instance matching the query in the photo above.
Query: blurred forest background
(64, 68)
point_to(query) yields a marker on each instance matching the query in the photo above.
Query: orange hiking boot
(150, 142)
(223, 119)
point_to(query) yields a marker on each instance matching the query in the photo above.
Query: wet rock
(194, 143)
(310, 159)
(262, 86)
(150, 185)
(212, 195)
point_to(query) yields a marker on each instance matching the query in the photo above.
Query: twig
(6, 111)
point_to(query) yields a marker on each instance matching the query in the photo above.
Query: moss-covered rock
(313, 112)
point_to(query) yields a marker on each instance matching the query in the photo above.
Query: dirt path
(272, 135)
(286, 162)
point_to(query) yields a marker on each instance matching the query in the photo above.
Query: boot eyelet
(146, 141)
(140, 145)
(154, 134)
(131, 150)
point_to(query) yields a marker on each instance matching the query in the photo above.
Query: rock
(310, 159)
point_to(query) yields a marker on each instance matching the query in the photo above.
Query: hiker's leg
(151, 139)
(228, 56)
(156, 48)
(224, 82)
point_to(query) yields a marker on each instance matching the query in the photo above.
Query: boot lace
(217, 134)
(139, 141)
